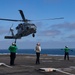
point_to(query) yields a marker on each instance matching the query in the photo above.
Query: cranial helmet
(38, 43)
(13, 43)
(66, 46)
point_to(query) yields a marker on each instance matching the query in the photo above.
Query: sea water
(43, 51)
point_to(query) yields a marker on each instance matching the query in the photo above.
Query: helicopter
(24, 28)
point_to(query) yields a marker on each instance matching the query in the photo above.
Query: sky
(50, 33)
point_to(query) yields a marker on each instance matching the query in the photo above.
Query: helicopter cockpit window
(21, 26)
(33, 26)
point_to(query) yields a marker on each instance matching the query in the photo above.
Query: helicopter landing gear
(33, 35)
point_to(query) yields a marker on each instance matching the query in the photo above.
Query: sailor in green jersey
(12, 50)
(66, 49)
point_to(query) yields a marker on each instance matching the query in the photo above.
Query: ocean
(43, 51)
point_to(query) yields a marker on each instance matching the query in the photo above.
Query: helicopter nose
(33, 29)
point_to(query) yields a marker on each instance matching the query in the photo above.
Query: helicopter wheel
(33, 35)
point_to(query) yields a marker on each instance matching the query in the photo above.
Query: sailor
(38, 50)
(66, 49)
(12, 50)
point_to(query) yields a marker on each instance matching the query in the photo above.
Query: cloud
(49, 33)
(66, 26)
(3, 30)
(39, 25)
(6, 30)
(71, 36)
(61, 31)
(31, 44)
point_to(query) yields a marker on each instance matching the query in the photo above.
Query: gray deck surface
(25, 65)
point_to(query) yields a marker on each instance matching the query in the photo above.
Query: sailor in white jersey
(38, 50)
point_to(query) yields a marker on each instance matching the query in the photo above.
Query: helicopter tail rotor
(11, 30)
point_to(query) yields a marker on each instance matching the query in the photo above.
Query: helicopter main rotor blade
(30, 20)
(22, 15)
(49, 19)
(11, 20)
(54, 18)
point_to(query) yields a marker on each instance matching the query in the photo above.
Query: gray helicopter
(24, 28)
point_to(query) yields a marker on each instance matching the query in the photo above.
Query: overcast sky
(50, 33)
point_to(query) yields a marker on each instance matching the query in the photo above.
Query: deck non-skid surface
(25, 65)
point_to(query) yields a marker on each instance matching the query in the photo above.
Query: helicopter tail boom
(11, 37)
